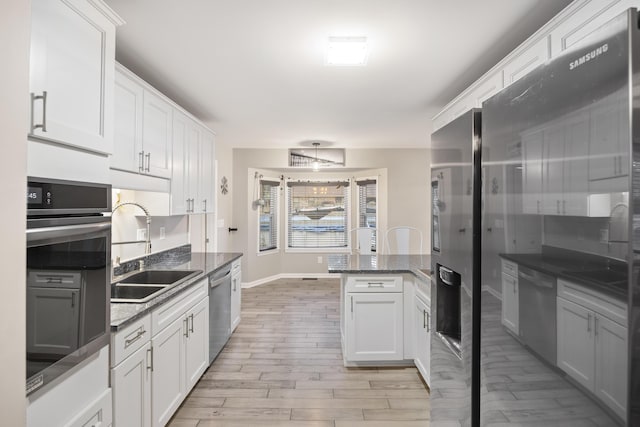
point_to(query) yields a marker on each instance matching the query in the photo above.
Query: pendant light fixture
(316, 164)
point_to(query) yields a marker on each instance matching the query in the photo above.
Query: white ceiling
(253, 70)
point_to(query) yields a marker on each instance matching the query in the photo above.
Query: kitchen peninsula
(384, 309)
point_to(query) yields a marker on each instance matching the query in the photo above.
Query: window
(268, 204)
(318, 214)
(368, 206)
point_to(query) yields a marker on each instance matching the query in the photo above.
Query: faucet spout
(147, 242)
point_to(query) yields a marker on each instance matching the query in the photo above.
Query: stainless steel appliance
(68, 275)
(537, 320)
(219, 311)
(561, 150)
(455, 150)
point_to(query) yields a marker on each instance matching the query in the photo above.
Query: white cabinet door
(72, 60)
(131, 384)
(127, 150)
(167, 382)
(510, 303)
(576, 354)
(193, 167)
(156, 135)
(532, 145)
(374, 326)
(206, 176)
(611, 364)
(180, 166)
(607, 158)
(46, 335)
(236, 297)
(422, 330)
(196, 347)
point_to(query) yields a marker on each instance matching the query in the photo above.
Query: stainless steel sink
(145, 285)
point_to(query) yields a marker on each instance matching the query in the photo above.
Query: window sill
(269, 252)
(318, 250)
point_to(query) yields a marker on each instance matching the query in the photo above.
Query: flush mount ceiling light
(347, 51)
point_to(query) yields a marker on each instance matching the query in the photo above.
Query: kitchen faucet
(147, 242)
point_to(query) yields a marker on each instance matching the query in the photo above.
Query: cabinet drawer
(236, 266)
(164, 315)
(600, 303)
(97, 414)
(126, 341)
(510, 268)
(374, 284)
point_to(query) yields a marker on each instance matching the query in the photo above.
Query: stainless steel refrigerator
(556, 325)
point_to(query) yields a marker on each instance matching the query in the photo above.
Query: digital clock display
(34, 196)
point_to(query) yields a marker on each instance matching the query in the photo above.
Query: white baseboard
(492, 292)
(268, 279)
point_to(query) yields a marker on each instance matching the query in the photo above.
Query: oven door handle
(45, 233)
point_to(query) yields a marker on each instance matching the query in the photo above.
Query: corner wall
(14, 116)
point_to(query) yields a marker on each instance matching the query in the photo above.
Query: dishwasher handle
(214, 283)
(536, 279)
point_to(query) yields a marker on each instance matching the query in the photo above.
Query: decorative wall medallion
(224, 185)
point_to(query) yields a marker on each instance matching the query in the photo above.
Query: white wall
(14, 115)
(404, 190)
(224, 202)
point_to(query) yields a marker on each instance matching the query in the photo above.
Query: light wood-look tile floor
(283, 367)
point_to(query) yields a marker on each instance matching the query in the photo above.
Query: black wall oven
(68, 276)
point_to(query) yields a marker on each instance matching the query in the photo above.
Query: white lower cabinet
(374, 326)
(236, 294)
(592, 348)
(422, 330)
(510, 304)
(97, 414)
(132, 389)
(151, 375)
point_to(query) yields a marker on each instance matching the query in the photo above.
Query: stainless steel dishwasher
(219, 310)
(538, 329)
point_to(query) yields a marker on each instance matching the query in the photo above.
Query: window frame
(348, 207)
(276, 206)
(357, 203)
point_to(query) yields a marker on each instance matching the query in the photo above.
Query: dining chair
(363, 240)
(400, 240)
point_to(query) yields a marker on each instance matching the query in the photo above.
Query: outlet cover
(162, 233)
(319, 260)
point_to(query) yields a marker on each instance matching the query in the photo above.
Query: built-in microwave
(68, 276)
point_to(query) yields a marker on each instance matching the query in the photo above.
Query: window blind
(317, 214)
(269, 215)
(368, 206)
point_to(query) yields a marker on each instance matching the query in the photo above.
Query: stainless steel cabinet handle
(150, 359)
(139, 334)
(352, 305)
(185, 323)
(191, 317)
(73, 299)
(35, 98)
(375, 285)
(141, 161)
(424, 318)
(428, 322)
(148, 156)
(588, 322)
(235, 281)
(204, 209)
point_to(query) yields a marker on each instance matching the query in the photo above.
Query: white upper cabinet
(127, 153)
(156, 135)
(206, 170)
(72, 72)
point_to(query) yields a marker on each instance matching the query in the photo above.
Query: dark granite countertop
(418, 265)
(574, 268)
(124, 313)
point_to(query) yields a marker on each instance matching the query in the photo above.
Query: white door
(510, 303)
(180, 167)
(611, 364)
(72, 60)
(54, 320)
(127, 149)
(206, 175)
(422, 329)
(156, 135)
(131, 384)
(374, 326)
(167, 379)
(576, 352)
(197, 343)
(236, 299)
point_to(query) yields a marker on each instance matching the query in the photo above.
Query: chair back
(362, 243)
(399, 240)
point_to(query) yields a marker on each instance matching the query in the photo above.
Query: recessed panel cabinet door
(167, 382)
(156, 135)
(197, 344)
(127, 153)
(131, 384)
(179, 170)
(611, 364)
(576, 354)
(236, 296)
(206, 184)
(72, 60)
(423, 339)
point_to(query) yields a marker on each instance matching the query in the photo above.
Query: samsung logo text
(589, 56)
